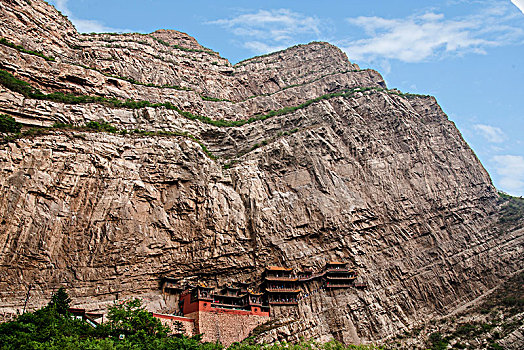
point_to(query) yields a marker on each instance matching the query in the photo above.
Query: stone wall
(226, 326)
(188, 324)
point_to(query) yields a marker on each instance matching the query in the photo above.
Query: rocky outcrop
(377, 178)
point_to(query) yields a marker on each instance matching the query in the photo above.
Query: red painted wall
(205, 306)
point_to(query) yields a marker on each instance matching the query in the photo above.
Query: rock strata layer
(367, 175)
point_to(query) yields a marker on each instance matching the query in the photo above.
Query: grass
(102, 126)
(5, 42)
(24, 88)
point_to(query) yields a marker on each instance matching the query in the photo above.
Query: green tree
(132, 319)
(60, 302)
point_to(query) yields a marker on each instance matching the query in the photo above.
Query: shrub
(17, 85)
(437, 342)
(8, 124)
(6, 42)
(101, 125)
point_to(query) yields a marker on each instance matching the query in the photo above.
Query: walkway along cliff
(148, 155)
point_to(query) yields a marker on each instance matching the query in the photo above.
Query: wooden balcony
(288, 279)
(341, 278)
(282, 290)
(340, 270)
(283, 302)
(337, 285)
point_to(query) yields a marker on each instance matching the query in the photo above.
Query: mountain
(165, 159)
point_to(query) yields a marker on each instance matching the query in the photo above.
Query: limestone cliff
(330, 165)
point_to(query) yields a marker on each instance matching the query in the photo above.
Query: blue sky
(469, 54)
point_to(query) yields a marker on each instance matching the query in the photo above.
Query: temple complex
(229, 313)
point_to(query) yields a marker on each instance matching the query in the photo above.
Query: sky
(469, 54)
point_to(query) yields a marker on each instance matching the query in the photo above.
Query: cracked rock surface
(376, 178)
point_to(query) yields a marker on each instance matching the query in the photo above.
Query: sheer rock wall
(379, 179)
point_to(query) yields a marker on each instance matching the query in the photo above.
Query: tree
(60, 302)
(132, 319)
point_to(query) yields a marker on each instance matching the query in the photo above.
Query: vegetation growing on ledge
(24, 88)
(98, 126)
(8, 124)
(512, 209)
(405, 94)
(214, 99)
(6, 42)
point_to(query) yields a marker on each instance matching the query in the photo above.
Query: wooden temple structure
(227, 314)
(338, 275)
(281, 286)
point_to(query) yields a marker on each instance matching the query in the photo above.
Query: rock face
(379, 179)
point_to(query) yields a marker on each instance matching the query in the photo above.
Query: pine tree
(60, 302)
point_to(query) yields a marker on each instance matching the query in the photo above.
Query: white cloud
(511, 170)
(490, 133)
(272, 29)
(431, 35)
(85, 25)
(519, 4)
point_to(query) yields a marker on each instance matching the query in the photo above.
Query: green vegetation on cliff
(483, 325)
(24, 88)
(9, 125)
(5, 42)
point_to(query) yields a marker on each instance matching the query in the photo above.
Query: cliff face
(379, 179)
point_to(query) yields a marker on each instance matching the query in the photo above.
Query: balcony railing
(283, 290)
(294, 302)
(332, 285)
(341, 270)
(341, 278)
(272, 278)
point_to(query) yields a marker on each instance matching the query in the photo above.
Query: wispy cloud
(84, 25)
(490, 133)
(270, 30)
(511, 170)
(519, 4)
(431, 35)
